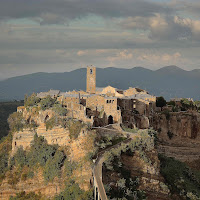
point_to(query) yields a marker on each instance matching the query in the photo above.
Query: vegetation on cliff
(181, 179)
(5, 148)
(125, 186)
(52, 160)
(6, 108)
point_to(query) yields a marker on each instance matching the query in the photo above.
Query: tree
(31, 100)
(47, 102)
(160, 102)
(16, 121)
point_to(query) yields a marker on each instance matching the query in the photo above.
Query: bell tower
(91, 79)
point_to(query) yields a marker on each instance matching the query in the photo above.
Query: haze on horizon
(63, 35)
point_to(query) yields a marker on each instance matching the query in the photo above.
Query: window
(110, 101)
(90, 71)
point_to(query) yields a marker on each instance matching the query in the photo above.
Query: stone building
(106, 105)
(91, 80)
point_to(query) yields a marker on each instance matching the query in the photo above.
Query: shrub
(20, 158)
(74, 128)
(5, 147)
(53, 166)
(40, 151)
(179, 177)
(16, 121)
(31, 100)
(171, 103)
(47, 156)
(24, 196)
(160, 102)
(60, 110)
(69, 167)
(51, 123)
(167, 114)
(170, 134)
(72, 191)
(47, 103)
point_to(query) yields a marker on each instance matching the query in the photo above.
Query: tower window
(90, 71)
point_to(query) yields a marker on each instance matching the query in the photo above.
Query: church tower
(91, 79)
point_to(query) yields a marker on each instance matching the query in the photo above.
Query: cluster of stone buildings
(107, 105)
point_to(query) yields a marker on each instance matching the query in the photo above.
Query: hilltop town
(101, 136)
(103, 106)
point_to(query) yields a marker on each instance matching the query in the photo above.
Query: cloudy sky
(62, 35)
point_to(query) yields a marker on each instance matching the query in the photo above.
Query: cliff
(73, 141)
(179, 134)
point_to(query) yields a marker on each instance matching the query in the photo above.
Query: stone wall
(95, 102)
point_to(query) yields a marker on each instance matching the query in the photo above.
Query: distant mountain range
(169, 82)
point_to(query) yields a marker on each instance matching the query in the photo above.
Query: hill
(169, 81)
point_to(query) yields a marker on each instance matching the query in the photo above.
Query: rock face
(78, 151)
(183, 124)
(151, 180)
(179, 134)
(36, 184)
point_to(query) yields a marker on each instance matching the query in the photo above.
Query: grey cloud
(57, 11)
(164, 27)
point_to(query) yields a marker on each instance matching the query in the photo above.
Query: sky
(63, 35)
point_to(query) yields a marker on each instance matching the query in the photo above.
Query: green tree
(72, 191)
(60, 110)
(16, 121)
(160, 102)
(31, 100)
(47, 103)
(53, 166)
(40, 151)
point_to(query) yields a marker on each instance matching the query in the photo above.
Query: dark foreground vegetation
(6, 108)
(181, 179)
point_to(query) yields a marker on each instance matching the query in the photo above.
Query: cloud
(54, 12)
(120, 56)
(160, 58)
(162, 27)
(82, 52)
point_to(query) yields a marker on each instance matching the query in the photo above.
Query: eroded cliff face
(147, 172)
(178, 134)
(150, 179)
(183, 124)
(35, 184)
(77, 151)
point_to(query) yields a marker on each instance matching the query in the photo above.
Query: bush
(16, 121)
(47, 103)
(7, 108)
(47, 156)
(40, 151)
(20, 158)
(60, 110)
(53, 166)
(74, 128)
(51, 123)
(171, 103)
(160, 102)
(179, 177)
(24, 196)
(5, 148)
(69, 167)
(167, 114)
(72, 191)
(31, 100)
(170, 134)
